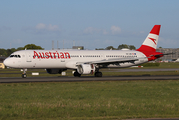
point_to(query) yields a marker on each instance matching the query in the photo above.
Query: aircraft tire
(98, 74)
(24, 75)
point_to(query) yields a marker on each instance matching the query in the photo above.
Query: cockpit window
(16, 56)
(11, 56)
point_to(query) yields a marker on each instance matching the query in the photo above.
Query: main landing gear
(97, 73)
(24, 73)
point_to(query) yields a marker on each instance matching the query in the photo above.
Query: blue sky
(89, 23)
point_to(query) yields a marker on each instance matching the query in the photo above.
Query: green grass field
(90, 100)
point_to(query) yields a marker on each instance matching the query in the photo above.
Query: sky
(89, 23)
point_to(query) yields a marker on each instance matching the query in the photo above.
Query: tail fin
(150, 43)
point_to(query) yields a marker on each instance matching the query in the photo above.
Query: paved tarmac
(143, 69)
(87, 78)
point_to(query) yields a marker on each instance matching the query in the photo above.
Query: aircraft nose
(6, 62)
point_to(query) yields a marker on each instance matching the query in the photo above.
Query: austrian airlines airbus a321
(85, 61)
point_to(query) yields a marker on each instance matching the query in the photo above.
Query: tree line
(131, 47)
(7, 52)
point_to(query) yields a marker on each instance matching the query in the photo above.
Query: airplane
(85, 61)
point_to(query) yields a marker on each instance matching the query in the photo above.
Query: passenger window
(15, 55)
(19, 56)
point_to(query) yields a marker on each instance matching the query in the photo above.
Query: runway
(87, 78)
(143, 69)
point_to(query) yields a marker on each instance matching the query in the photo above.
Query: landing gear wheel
(24, 75)
(98, 74)
(76, 74)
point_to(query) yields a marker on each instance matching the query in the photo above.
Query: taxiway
(87, 78)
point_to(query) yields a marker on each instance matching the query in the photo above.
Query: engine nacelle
(55, 71)
(86, 69)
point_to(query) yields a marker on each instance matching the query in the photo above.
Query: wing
(110, 61)
(159, 55)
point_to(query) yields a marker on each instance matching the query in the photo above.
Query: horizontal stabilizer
(159, 55)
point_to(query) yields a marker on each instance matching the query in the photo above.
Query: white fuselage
(68, 59)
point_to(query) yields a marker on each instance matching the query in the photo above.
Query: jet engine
(55, 71)
(86, 69)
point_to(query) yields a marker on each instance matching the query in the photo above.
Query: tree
(10, 51)
(32, 46)
(3, 52)
(99, 49)
(123, 46)
(110, 48)
(20, 48)
(131, 47)
(7, 52)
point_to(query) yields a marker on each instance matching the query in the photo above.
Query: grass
(168, 65)
(90, 100)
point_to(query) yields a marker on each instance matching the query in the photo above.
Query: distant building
(170, 57)
(78, 47)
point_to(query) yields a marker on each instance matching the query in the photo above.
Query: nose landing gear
(24, 73)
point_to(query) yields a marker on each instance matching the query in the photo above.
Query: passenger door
(28, 57)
